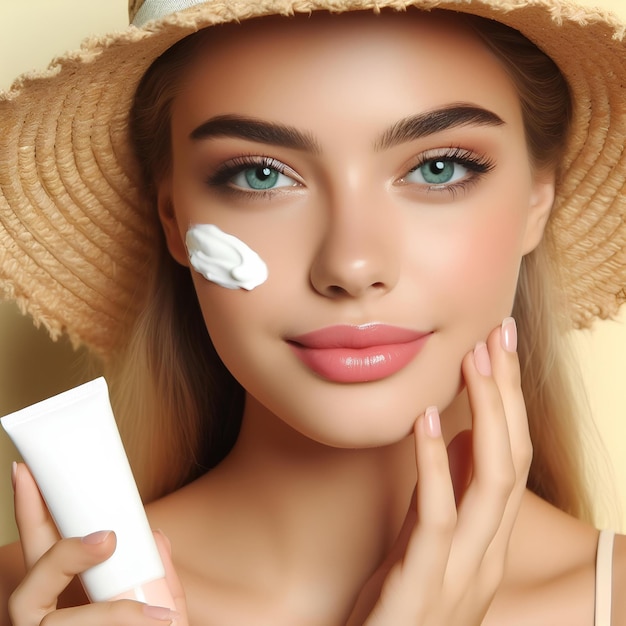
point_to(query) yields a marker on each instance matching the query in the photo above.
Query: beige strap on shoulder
(604, 578)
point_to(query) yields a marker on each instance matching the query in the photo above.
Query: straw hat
(75, 232)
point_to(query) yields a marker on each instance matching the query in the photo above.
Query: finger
(482, 508)
(38, 593)
(492, 459)
(173, 582)
(425, 561)
(122, 612)
(37, 530)
(506, 372)
(502, 344)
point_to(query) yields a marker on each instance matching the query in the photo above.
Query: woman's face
(378, 166)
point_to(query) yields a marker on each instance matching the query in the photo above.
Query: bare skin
(549, 576)
(306, 521)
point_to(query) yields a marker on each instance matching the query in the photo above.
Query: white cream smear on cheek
(224, 259)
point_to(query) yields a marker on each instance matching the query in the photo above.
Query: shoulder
(556, 556)
(550, 570)
(11, 573)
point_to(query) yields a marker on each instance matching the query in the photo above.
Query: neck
(317, 518)
(312, 503)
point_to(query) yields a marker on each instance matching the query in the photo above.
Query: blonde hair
(556, 409)
(180, 409)
(168, 388)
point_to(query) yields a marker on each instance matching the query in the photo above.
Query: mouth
(354, 354)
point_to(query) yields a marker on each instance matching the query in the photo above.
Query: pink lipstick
(354, 354)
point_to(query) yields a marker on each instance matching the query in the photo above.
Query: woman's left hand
(449, 561)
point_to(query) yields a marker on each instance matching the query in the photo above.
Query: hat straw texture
(76, 233)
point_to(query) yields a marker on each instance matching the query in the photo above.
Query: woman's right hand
(51, 564)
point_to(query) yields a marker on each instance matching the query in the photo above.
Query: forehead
(302, 69)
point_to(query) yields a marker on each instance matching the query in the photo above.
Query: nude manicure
(96, 538)
(509, 334)
(481, 358)
(432, 422)
(161, 613)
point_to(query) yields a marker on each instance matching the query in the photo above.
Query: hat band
(155, 9)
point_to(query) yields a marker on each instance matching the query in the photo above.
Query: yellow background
(32, 367)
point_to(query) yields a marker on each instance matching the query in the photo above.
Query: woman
(391, 180)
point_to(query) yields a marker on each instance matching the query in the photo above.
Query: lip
(352, 354)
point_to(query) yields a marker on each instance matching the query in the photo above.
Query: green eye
(253, 174)
(449, 170)
(261, 177)
(437, 172)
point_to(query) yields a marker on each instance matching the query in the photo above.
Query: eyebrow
(405, 130)
(436, 121)
(255, 130)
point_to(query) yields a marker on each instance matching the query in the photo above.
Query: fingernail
(96, 538)
(509, 334)
(432, 422)
(14, 474)
(161, 613)
(481, 358)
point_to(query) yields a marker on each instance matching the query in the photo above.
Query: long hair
(180, 409)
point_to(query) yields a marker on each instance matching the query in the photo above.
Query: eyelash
(476, 165)
(226, 171)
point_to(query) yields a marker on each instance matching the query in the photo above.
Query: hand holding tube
(73, 449)
(51, 563)
(448, 563)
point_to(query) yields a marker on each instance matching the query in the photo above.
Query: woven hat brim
(75, 234)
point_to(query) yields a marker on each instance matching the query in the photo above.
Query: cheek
(240, 321)
(488, 260)
(473, 264)
(228, 321)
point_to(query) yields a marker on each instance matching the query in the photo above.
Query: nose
(359, 252)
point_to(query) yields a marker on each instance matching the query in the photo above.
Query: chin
(364, 415)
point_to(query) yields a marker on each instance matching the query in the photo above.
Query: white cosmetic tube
(71, 445)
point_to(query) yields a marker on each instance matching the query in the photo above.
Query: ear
(541, 201)
(167, 217)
